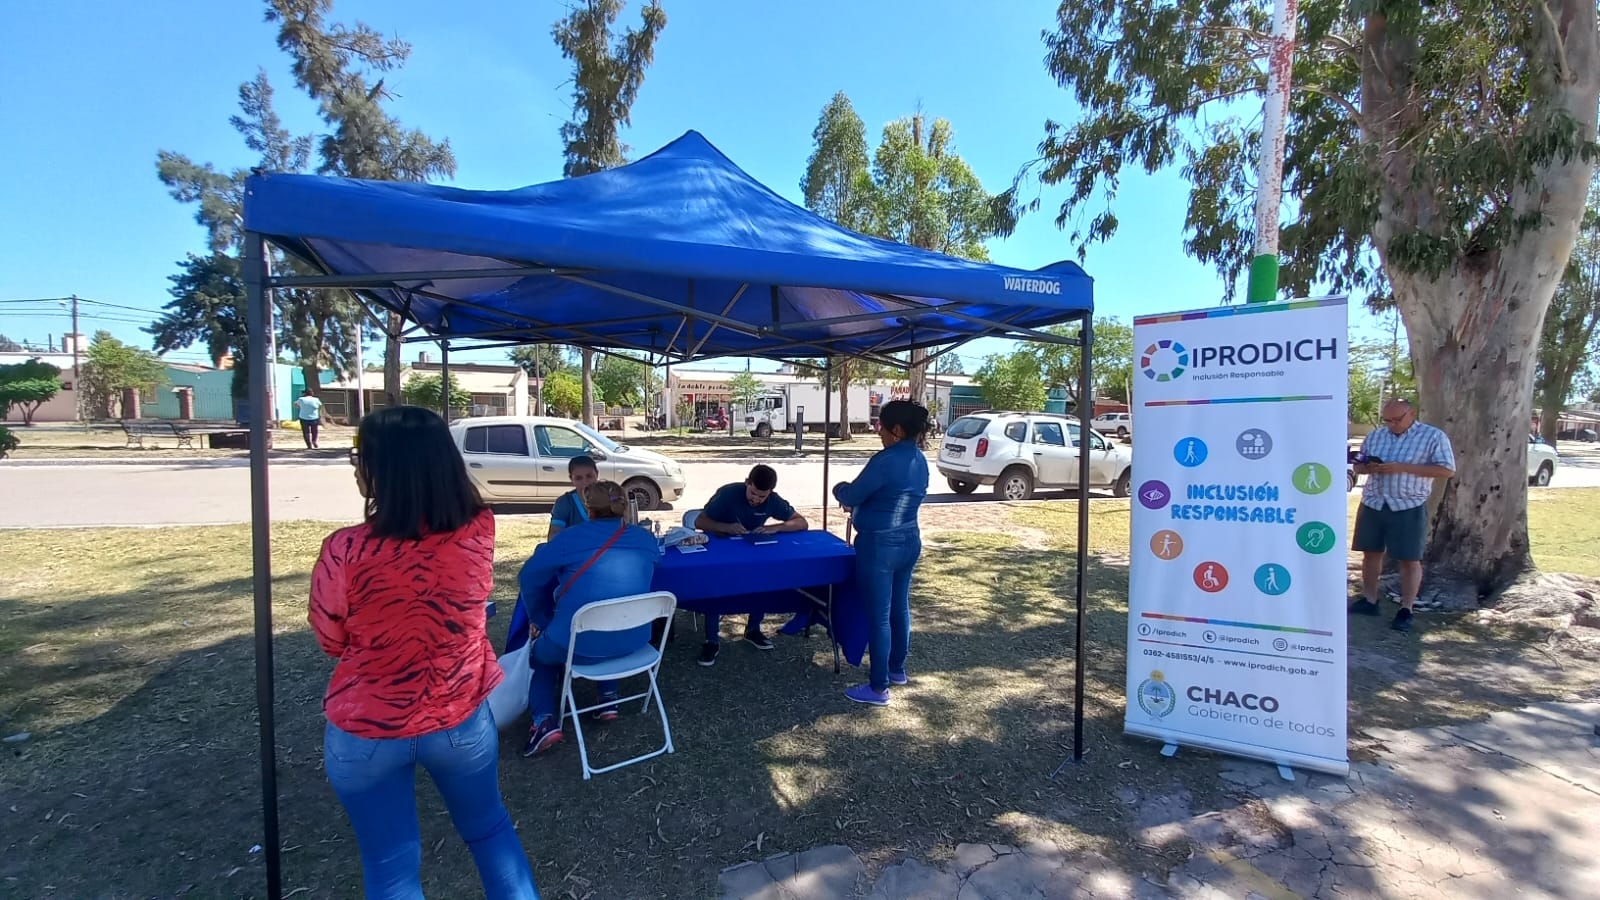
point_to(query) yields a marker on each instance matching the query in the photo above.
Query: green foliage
(8, 442)
(207, 307)
(1570, 340)
(424, 390)
(745, 389)
(27, 386)
(563, 394)
(927, 195)
(838, 181)
(606, 79)
(620, 381)
(1012, 381)
(541, 360)
(316, 328)
(111, 367)
(948, 364)
(1379, 371)
(1110, 359)
(1421, 131)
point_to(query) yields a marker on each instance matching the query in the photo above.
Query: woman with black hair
(399, 601)
(884, 502)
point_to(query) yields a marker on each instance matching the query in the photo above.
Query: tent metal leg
(258, 316)
(1085, 415)
(827, 436)
(444, 380)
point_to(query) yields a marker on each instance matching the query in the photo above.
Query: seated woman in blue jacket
(602, 558)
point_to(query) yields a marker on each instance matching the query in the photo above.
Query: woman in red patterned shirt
(399, 601)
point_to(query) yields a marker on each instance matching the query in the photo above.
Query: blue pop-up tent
(681, 255)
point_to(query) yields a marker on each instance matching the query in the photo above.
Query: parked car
(1585, 435)
(1117, 423)
(1542, 461)
(1019, 453)
(524, 460)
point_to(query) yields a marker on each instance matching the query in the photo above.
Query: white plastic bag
(509, 700)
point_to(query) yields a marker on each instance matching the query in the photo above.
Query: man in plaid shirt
(1400, 460)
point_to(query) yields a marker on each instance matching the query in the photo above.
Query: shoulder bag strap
(585, 567)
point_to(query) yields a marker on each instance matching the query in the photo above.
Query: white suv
(1021, 452)
(1117, 423)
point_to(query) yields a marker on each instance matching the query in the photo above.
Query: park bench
(139, 431)
(220, 435)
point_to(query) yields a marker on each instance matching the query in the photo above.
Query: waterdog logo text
(1032, 285)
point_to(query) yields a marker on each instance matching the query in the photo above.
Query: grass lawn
(127, 655)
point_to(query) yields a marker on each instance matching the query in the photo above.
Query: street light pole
(1263, 284)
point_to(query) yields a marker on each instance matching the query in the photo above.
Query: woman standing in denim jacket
(884, 503)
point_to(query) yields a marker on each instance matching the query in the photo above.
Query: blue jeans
(714, 626)
(548, 660)
(884, 562)
(376, 781)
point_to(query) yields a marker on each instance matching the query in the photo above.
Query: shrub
(8, 442)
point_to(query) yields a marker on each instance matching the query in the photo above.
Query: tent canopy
(681, 253)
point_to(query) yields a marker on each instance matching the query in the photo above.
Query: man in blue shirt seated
(745, 509)
(569, 511)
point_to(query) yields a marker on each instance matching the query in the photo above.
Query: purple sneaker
(863, 693)
(899, 678)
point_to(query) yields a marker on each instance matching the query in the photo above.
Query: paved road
(65, 496)
(61, 496)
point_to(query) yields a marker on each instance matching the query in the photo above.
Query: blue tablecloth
(736, 575)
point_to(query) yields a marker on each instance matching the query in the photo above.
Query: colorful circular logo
(1166, 544)
(1315, 537)
(1190, 452)
(1156, 697)
(1164, 360)
(1210, 577)
(1272, 579)
(1154, 494)
(1253, 443)
(1312, 478)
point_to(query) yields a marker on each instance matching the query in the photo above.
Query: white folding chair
(620, 614)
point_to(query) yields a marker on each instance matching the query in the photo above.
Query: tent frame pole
(1085, 416)
(258, 302)
(827, 434)
(444, 379)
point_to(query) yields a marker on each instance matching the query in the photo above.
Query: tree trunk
(917, 377)
(588, 387)
(1550, 418)
(392, 389)
(1474, 340)
(313, 377)
(841, 369)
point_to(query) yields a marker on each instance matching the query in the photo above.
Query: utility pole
(77, 370)
(1263, 284)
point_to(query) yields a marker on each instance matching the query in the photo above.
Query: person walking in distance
(1401, 461)
(308, 409)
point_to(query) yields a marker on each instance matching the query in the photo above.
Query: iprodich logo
(1164, 360)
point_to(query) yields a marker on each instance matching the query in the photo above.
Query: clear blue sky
(95, 90)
